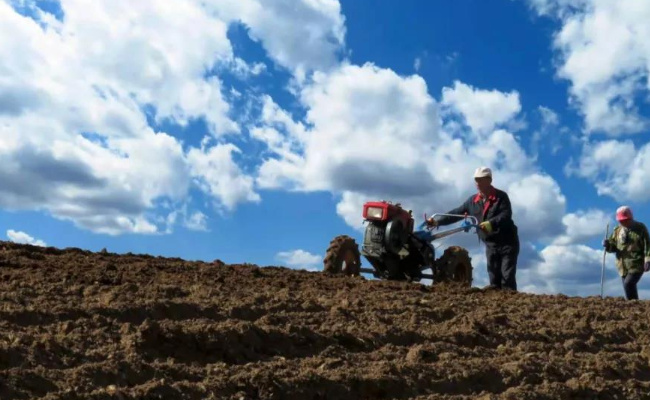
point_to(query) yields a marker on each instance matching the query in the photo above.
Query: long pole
(602, 273)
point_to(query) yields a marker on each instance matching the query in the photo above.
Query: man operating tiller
(493, 210)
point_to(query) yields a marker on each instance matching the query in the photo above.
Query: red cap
(623, 213)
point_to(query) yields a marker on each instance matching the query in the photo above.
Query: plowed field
(76, 324)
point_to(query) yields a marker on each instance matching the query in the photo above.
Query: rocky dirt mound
(76, 324)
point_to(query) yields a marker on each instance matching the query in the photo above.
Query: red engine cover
(389, 212)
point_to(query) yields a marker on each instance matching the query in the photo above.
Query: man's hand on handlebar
(432, 223)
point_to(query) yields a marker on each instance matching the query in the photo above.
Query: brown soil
(76, 324)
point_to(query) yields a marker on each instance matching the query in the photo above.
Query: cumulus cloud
(24, 238)
(616, 168)
(549, 117)
(313, 44)
(575, 264)
(77, 95)
(583, 225)
(603, 52)
(217, 174)
(551, 135)
(557, 7)
(83, 150)
(572, 270)
(397, 121)
(197, 222)
(482, 109)
(300, 259)
(183, 214)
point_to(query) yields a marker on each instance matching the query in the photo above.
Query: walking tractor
(398, 252)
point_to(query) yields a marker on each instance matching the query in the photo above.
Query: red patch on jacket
(491, 198)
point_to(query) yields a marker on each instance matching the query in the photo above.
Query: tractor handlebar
(473, 221)
(424, 232)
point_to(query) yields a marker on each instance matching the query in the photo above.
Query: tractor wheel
(455, 265)
(343, 257)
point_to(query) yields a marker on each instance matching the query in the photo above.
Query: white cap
(482, 172)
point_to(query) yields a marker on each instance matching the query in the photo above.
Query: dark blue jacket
(496, 209)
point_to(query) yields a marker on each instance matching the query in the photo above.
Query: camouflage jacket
(632, 247)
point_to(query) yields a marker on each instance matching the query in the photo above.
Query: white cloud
(350, 208)
(80, 180)
(312, 44)
(604, 53)
(24, 238)
(550, 135)
(559, 7)
(299, 259)
(572, 270)
(159, 54)
(194, 221)
(583, 225)
(217, 174)
(80, 146)
(538, 205)
(73, 95)
(284, 137)
(482, 109)
(549, 117)
(197, 222)
(617, 168)
(397, 120)
(417, 63)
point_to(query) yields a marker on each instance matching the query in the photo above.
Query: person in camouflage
(631, 244)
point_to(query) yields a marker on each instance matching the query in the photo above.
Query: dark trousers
(502, 265)
(629, 285)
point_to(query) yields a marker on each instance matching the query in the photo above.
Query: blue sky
(253, 131)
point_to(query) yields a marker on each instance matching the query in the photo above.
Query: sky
(253, 131)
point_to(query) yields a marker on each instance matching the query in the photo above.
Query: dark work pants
(629, 285)
(502, 265)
